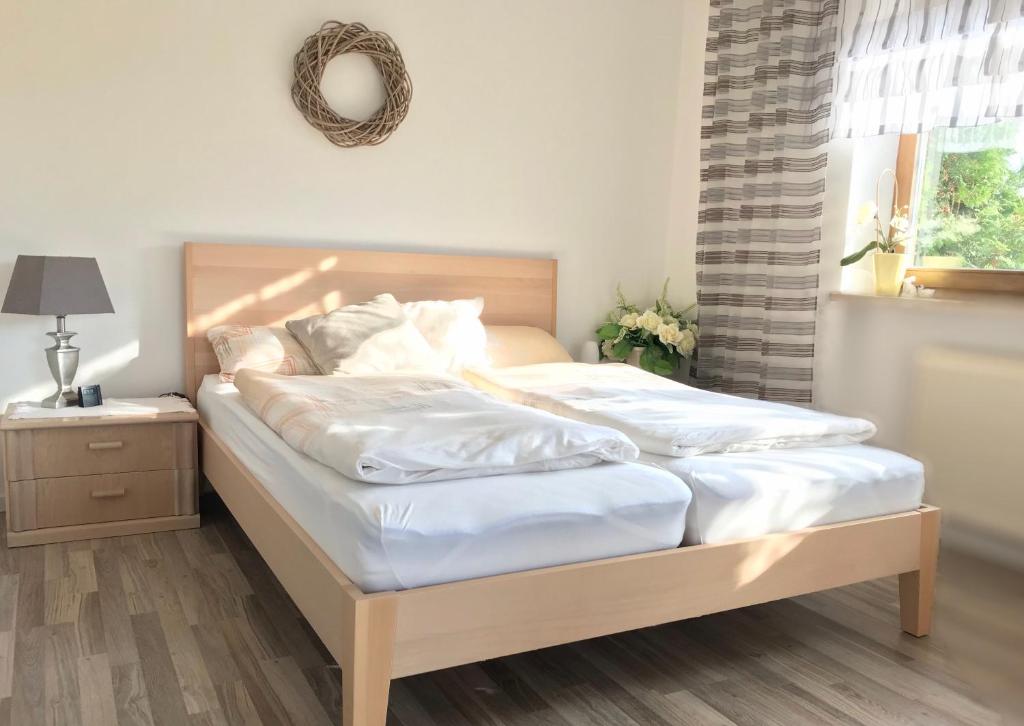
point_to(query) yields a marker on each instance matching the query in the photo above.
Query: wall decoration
(334, 39)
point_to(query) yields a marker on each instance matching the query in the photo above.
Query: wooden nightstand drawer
(65, 501)
(46, 453)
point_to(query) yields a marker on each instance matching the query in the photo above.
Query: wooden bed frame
(376, 637)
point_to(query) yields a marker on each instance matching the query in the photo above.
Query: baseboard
(983, 543)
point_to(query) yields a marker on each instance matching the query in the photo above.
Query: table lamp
(58, 286)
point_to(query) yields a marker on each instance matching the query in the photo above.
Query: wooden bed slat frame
(380, 636)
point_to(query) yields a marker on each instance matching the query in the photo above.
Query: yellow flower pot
(890, 269)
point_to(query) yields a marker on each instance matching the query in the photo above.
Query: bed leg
(366, 670)
(917, 588)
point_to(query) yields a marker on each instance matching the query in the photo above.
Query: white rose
(669, 334)
(687, 342)
(629, 320)
(650, 321)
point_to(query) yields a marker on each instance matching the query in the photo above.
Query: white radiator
(967, 426)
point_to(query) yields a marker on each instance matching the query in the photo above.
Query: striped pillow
(273, 350)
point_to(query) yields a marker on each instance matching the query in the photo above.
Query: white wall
(536, 129)
(681, 240)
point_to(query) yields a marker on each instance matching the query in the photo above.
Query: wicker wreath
(329, 42)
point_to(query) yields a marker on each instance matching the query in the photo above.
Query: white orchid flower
(866, 212)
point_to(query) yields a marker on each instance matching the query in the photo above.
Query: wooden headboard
(263, 285)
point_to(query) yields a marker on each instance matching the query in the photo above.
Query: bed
(397, 537)
(381, 635)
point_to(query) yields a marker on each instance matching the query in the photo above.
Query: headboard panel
(264, 285)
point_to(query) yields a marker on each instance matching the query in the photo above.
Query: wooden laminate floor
(190, 628)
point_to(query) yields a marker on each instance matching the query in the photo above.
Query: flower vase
(633, 358)
(890, 269)
(682, 374)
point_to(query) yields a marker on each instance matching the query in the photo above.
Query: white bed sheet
(404, 536)
(738, 496)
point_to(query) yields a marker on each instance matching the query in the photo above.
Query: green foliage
(622, 349)
(609, 331)
(859, 254)
(974, 209)
(657, 360)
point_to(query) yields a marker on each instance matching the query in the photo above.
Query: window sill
(959, 280)
(944, 301)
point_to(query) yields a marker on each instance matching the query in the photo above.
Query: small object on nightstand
(89, 396)
(126, 466)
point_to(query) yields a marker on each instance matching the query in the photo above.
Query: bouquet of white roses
(664, 334)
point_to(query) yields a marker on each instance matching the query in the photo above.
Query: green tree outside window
(972, 197)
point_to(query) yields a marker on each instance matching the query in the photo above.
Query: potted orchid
(655, 339)
(889, 260)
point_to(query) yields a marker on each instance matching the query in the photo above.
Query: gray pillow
(369, 337)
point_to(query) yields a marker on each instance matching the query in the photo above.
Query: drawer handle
(107, 493)
(104, 445)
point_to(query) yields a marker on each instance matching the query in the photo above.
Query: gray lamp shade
(56, 286)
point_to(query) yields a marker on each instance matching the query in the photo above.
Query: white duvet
(399, 428)
(662, 416)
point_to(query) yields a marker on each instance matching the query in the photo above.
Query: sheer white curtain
(767, 89)
(907, 66)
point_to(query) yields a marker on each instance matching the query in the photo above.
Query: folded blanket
(398, 428)
(662, 416)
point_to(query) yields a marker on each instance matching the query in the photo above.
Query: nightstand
(78, 475)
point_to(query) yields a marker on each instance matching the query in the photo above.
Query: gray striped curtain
(908, 66)
(767, 97)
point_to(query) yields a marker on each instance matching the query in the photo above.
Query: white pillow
(370, 337)
(520, 345)
(273, 350)
(453, 329)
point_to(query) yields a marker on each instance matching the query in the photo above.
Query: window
(967, 205)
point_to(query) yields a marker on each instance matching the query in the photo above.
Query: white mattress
(404, 536)
(737, 496)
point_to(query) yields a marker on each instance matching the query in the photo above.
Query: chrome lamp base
(63, 361)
